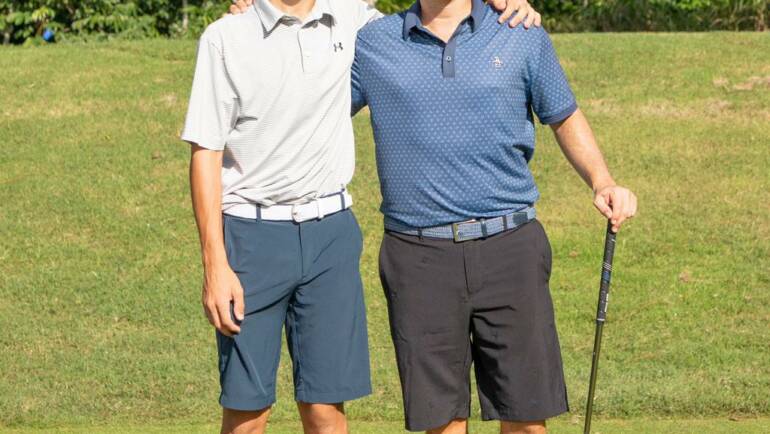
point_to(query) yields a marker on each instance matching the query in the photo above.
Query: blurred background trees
(641, 15)
(27, 20)
(32, 21)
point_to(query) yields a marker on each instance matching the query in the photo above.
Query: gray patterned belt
(471, 229)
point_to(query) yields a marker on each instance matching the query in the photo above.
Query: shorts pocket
(358, 232)
(545, 249)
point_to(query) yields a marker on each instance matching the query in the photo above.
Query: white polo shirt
(273, 93)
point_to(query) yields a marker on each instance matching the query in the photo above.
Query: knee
(456, 426)
(523, 427)
(244, 422)
(323, 418)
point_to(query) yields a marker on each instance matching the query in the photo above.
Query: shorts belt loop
(259, 213)
(419, 233)
(505, 223)
(342, 199)
(483, 223)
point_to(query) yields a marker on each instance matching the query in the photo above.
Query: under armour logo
(497, 62)
(338, 46)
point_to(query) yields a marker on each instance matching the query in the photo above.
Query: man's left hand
(525, 13)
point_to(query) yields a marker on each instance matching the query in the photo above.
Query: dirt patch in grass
(753, 82)
(691, 110)
(600, 106)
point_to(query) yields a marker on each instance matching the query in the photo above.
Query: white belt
(316, 209)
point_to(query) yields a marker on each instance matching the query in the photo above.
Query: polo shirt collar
(271, 15)
(412, 17)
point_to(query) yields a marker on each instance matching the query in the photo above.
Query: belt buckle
(296, 215)
(456, 230)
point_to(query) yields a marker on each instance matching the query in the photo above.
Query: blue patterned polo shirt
(453, 123)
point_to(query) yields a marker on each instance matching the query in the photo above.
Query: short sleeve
(551, 96)
(213, 107)
(358, 96)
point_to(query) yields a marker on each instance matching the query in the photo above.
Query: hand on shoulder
(240, 6)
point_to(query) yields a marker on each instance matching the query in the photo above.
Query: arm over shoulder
(357, 88)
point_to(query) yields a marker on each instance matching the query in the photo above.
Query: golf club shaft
(601, 315)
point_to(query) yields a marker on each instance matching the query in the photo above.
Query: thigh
(425, 285)
(248, 361)
(516, 348)
(264, 256)
(326, 322)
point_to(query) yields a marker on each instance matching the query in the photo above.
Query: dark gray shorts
(484, 302)
(303, 276)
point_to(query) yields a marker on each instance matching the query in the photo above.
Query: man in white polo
(272, 153)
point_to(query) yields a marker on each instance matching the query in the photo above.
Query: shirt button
(449, 58)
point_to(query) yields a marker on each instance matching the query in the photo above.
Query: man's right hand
(221, 288)
(240, 6)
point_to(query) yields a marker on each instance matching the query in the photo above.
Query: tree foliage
(641, 15)
(656, 15)
(25, 21)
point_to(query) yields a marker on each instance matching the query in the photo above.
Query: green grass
(100, 322)
(560, 426)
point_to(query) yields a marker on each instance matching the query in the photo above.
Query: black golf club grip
(601, 314)
(604, 285)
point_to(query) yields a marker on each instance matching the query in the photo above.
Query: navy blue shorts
(304, 276)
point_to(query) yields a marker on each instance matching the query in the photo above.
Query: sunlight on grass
(100, 274)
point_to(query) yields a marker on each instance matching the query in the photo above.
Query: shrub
(25, 20)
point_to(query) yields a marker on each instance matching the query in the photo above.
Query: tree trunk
(8, 29)
(185, 17)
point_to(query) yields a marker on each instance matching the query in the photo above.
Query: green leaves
(25, 20)
(654, 15)
(22, 21)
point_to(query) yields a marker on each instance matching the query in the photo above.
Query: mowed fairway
(100, 317)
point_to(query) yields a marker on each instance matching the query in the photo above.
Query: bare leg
(522, 427)
(244, 422)
(323, 418)
(457, 426)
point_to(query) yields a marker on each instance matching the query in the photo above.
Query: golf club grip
(604, 285)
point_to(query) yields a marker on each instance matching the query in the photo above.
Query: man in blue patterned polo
(464, 263)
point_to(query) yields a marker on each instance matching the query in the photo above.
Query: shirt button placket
(448, 64)
(304, 49)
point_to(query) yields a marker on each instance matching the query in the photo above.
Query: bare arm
(220, 286)
(578, 144)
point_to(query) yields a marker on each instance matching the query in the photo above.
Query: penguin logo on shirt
(338, 46)
(497, 62)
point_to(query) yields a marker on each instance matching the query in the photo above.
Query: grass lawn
(559, 426)
(100, 321)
